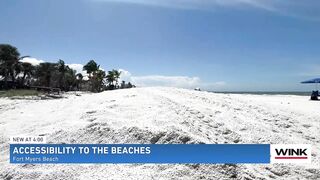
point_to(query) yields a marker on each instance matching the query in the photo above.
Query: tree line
(17, 74)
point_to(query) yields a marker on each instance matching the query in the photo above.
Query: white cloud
(125, 75)
(32, 61)
(77, 67)
(194, 4)
(307, 9)
(168, 81)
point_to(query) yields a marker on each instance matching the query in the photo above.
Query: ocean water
(266, 92)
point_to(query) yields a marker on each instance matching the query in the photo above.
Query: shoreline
(297, 93)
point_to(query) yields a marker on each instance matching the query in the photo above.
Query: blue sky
(233, 45)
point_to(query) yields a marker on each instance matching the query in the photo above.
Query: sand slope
(162, 115)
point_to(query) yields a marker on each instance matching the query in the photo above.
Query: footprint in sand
(200, 116)
(92, 119)
(226, 131)
(306, 125)
(91, 112)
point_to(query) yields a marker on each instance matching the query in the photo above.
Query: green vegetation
(96, 76)
(19, 92)
(113, 78)
(10, 66)
(15, 74)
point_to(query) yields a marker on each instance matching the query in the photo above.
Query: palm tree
(9, 58)
(62, 69)
(100, 76)
(116, 76)
(28, 70)
(44, 73)
(91, 67)
(96, 75)
(113, 78)
(17, 69)
(110, 79)
(70, 79)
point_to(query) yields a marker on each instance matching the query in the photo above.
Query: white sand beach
(162, 115)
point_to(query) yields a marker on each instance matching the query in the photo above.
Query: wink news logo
(290, 153)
